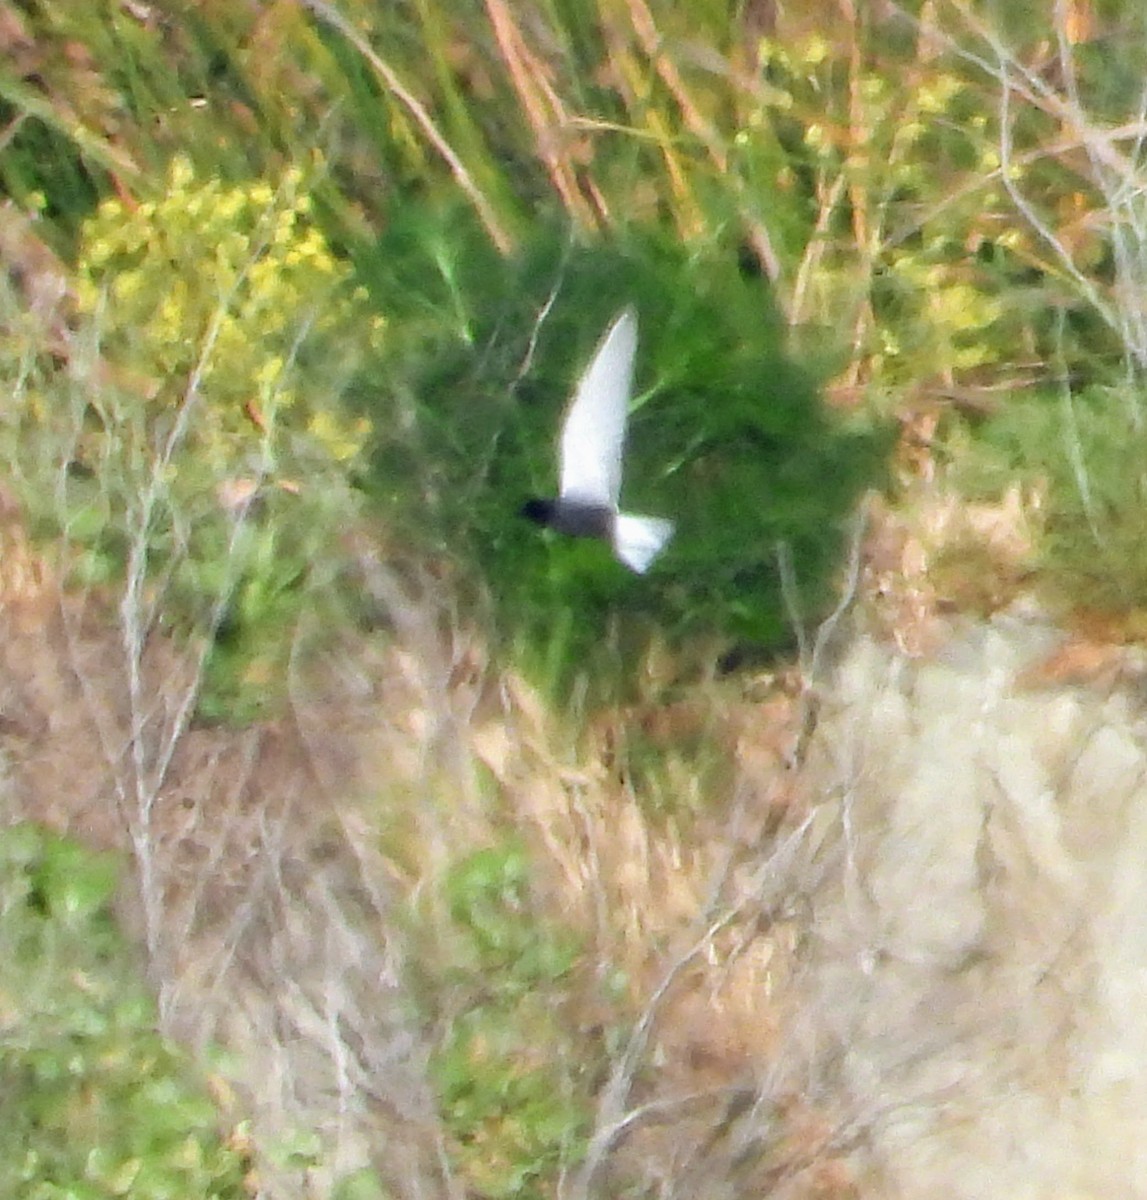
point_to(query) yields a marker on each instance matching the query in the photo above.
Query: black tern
(591, 444)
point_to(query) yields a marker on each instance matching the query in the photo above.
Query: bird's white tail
(637, 541)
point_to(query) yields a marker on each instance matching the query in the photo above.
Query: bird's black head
(541, 512)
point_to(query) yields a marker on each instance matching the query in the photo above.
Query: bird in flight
(591, 444)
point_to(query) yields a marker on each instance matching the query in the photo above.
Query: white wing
(594, 430)
(637, 541)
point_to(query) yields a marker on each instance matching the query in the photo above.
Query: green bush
(93, 1102)
(204, 458)
(232, 290)
(513, 1088)
(1086, 455)
(728, 437)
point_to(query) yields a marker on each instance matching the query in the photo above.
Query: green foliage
(487, 896)
(1087, 453)
(43, 170)
(213, 448)
(727, 436)
(511, 1085)
(230, 291)
(901, 186)
(94, 1103)
(56, 110)
(96, 97)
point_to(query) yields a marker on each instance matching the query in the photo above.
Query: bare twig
(811, 657)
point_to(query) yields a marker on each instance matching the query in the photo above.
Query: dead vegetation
(825, 916)
(273, 870)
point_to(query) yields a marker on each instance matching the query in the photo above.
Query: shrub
(727, 436)
(94, 1102)
(201, 455)
(514, 1091)
(1085, 454)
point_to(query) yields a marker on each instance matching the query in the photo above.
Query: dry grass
(795, 1009)
(287, 880)
(274, 870)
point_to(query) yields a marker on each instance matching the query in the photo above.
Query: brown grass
(271, 867)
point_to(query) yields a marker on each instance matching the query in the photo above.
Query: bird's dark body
(571, 517)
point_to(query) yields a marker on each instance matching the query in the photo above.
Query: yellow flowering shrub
(213, 443)
(230, 290)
